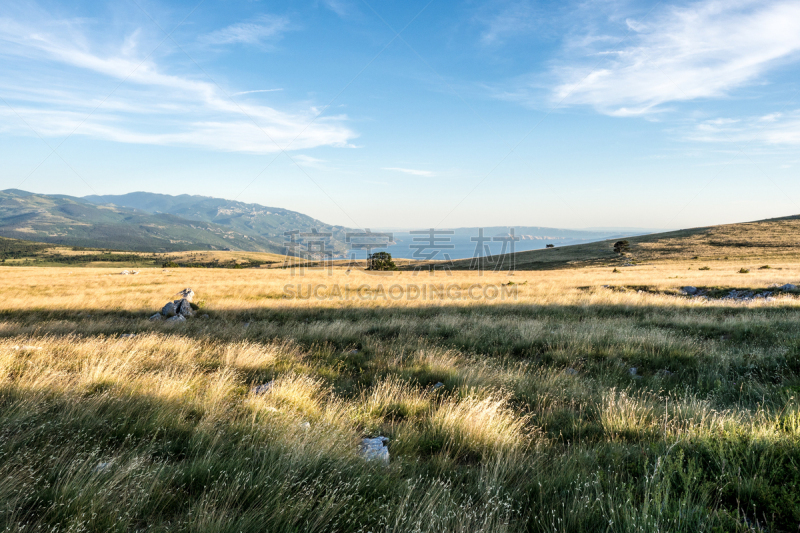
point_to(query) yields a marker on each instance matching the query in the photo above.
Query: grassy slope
(775, 238)
(74, 222)
(539, 426)
(249, 219)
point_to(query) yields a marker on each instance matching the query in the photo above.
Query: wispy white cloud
(415, 172)
(776, 129)
(703, 50)
(59, 90)
(343, 8)
(255, 32)
(311, 162)
(256, 91)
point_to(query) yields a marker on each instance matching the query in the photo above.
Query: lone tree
(380, 261)
(621, 246)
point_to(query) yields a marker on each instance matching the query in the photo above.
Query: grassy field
(775, 239)
(541, 424)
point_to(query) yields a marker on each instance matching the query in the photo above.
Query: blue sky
(412, 114)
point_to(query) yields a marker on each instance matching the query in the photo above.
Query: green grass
(704, 437)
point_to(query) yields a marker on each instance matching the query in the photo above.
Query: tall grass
(536, 422)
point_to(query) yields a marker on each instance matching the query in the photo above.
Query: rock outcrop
(177, 310)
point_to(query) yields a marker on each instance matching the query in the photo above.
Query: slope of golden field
(773, 239)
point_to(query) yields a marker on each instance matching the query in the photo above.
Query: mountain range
(150, 222)
(153, 222)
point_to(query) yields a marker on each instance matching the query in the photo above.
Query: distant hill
(250, 219)
(254, 220)
(74, 221)
(144, 221)
(773, 238)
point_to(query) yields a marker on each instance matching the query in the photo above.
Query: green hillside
(254, 220)
(73, 221)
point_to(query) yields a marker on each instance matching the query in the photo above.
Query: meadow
(112, 422)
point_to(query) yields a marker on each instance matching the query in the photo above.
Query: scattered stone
(664, 373)
(157, 316)
(436, 386)
(169, 309)
(127, 335)
(305, 425)
(788, 287)
(725, 338)
(632, 371)
(183, 307)
(353, 351)
(204, 316)
(375, 449)
(690, 290)
(124, 273)
(263, 388)
(26, 347)
(177, 318)
(247, 324)
(571, 372)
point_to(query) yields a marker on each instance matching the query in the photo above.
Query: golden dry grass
(538, 425)
(83, 289)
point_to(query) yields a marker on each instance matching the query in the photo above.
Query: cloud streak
(704, 50)
(256, 91)
(256, 32)
(150, 107)
(776, 129)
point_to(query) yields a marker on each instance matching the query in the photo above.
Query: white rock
(437, 386)
(788, 287)
(157, 316)
(375, 449)
(690, 290)
(187, 294)
(127, 335)
(124, 273)
(177, 318)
